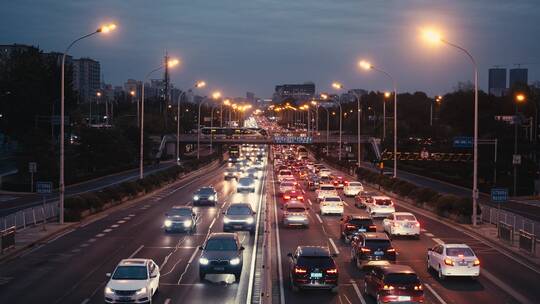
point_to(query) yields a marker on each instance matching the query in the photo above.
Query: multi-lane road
(72, 267)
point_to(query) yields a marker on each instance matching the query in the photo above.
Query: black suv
(222, 253)
(354, 224)
(371, 246)
(394, 283)
(313, 267)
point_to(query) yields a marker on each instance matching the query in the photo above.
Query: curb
(96, 216)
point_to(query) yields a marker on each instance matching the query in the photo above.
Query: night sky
(252, 45)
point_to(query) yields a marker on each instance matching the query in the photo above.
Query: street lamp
(386, 96)
(338, 86)
(103, 29)
(519, 99)
(171, 63)
(198, 84)
(215, 95)
(435, 37)
(438, 100)
(359, 115)
(368, 66)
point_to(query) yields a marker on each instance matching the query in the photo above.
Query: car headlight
(203, 261)
(211, 197)
(235, 261)
(249, 220)
(141, 291)
(226, 220)
(195, 197)
(109, 290)
(168, 223)
(187, 223)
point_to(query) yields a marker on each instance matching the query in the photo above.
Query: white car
(133, 281)
(245, 184)
(353, 188)
(453, 260)
(295, 214)
(252, 173)
(286, 186)
(380, 206)
(284, 173)
(402, 223)
(324, 190)
(331, 205)
(325, 172)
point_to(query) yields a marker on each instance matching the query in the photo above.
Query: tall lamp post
(103, 29)
(519, 98)
(368, 66)
(198, 84)
(386, 96)
(215, 95)
(171, 63)
(435, 37)
(338, 86)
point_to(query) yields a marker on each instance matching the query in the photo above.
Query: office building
(518, 75)
(86, 79)
(497, 82)
(299, 92)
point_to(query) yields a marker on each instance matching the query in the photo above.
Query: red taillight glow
(449, 262)
(476, 263)
(388, 287)
(299, 270)
(391, 250)
(286, 197)
(365, 249)
(417, 224)
(418, 287)
(300, 197)
(351, 226)
(331, 271)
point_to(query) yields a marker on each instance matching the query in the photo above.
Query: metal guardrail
(30, 216)
(527, 241)
(7, 238)
(505, 232)
(494, 215)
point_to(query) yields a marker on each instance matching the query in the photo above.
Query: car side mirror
(108, 274)
(334, 255)
(289, 255)
(201, 248)
(153, 276)
(242, 248)
(222, 212)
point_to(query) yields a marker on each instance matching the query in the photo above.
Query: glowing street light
(434, 36)
(198, 84)
(519, 99)
(103, 29)
(339, 86)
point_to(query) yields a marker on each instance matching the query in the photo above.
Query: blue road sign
(293, 139)
(499, 195)
(463, 142)
(44, 187)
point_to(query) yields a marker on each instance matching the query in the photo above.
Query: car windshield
(221, 245)
(401, 278)
(245, 181)
(180, 212)
(327, 188)
(377, 244)
(405, 217)
(206, 191)
(287, 184)
(361, 222)
(130, 273)
(296, 209)
(464, 251)
(383, 202)
(315, 261)
(332, 199)
(239, 210)
(354, 184)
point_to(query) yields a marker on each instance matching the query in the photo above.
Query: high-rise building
(497, 82)
(132, 85)
(250, 97)
(300, 92)
(86, 79)
(7, 49)
(518, 75)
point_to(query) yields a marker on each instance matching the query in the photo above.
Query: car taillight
(476, 263)
(331, 271)
(388, 287)
(351, 226)
(286, 197)
(391, 250)
(299, 270)
(373, 227)
(365, 250)
(300, 197)
(417, 224)
(346, 183)
(418, 287)
(449, 262)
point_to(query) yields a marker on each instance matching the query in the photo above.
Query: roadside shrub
(93, 201)
(403, 188)
(75, 203)
(424, 195)
(445, 203)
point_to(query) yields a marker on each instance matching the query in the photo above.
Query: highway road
(72, 268)
(503, 279)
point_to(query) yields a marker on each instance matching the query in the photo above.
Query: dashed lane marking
(333, 245)
(318, 218)
(309, 201)
(167, 301)
(438, 241)
(107, 230)
(429, 234)
(115, 226)
(85, 301)
(121, 222)
(84, 245)
(100, 235)
(92, 240)
(358, 293)
(434, 293)
(136, 251)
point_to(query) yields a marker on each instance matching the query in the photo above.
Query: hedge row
(81, 205)
(442, 204)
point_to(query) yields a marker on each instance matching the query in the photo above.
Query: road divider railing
(505, 232)
(527, 241)
(30, 216)
(7, 239)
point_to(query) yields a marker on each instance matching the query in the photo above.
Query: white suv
(324, 190)
(133, 281)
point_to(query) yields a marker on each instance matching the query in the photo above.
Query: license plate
(463, 263)
(379, 253)
(219, 268)
(124, 298)
(316, 275)
(237, 226)
(362, 230)
(403, 298)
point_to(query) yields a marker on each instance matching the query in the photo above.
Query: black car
(205, 196)
(180, 218)
(313, 267)
(221, 253)
(371, 246)
(353, 224)
(239, 216)
(394, 283)
(313, 182)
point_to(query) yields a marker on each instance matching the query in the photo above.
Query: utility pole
(166, 83)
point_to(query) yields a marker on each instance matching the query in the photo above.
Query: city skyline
(239, 47)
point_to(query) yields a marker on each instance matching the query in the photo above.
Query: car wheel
(252, 231)
(358, 263)
(441, 275)
(201, 275)
(293, 286)
(237, 277)
(417, 237)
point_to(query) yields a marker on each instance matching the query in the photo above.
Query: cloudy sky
(252, 45)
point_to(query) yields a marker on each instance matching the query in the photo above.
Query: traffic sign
(516, 159)
(499, 195)
(293, 139)
(44, 187)
(463, 142)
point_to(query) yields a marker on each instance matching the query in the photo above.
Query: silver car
(245, 184)
(295, 213)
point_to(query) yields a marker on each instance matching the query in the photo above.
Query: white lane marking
(346, 204)
(131, 215)
(429, 234)
(115, 226)
(85, 301)
(280, 270)
(438, 241)
(167, 301)
(92, 240)
(423, 230)
(61, 235)
(84, 245)
(212, 224)
(136, 251)
(309, 201)
(333, 245)
(347, 298)
(516, 295)
(100, 235)
(358, 293)
(187, 266)
(319, 218)
(434, 293)
(121, 222)
(255, 245)
(107, 230)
